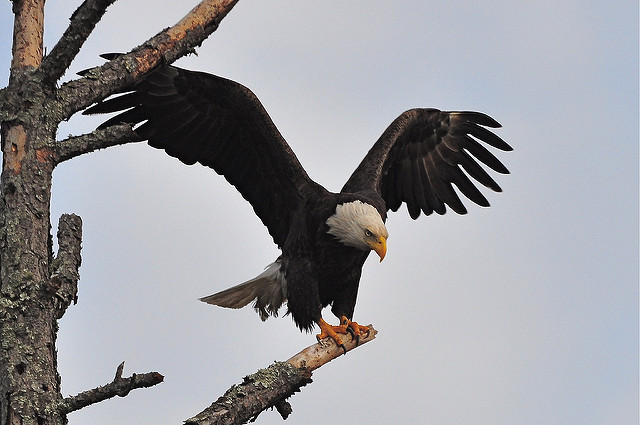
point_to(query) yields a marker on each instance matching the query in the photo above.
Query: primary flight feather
(324, 237)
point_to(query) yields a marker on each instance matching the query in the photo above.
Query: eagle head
(359, 225)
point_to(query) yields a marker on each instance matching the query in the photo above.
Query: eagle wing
(199, 117)
(423, 153)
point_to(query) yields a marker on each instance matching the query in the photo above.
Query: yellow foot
(346, 327)
(329, 331)
(355, 329)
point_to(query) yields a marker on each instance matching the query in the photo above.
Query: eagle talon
(346, 326)
(365, 330)
(351, 331)
(355, 329)
(354, 335)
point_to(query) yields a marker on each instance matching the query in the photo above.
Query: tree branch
(323, 352)
(165, 47)
(270, 387)
(118, 387)
(99, 139)
(83, 21)
(259, 391)
(64, 273)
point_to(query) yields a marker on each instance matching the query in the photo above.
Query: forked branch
(165, 47)
(118, 387)
(83, 21)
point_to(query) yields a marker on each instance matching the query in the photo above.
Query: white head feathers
(355, 223)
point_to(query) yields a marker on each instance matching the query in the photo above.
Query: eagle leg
(346, 326)
(329, 331)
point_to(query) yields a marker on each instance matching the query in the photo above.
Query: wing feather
(485, 135)
(432, 202)
(408, 185)
(434, 184)
(440, 178)
(390, 196)
(198, 117)
(418, 187)
(482, 154)
(424, 153)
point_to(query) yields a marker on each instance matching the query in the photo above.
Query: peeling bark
(16, 146)
(28, 33)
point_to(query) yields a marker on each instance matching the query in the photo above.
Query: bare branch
(83, 21)
(322, 353)
(65, 274)
(119, 387)
(165, 47)
(99, 139)
(270, 387)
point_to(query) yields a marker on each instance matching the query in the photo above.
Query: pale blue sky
(522, 313)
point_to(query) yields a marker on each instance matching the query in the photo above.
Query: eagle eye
(368, 233)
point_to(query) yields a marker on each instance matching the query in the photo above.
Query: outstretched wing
(198, 117)
(423, 153)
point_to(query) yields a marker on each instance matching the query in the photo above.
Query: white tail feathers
(268, 289)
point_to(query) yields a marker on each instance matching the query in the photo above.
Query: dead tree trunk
(36, 285)
(28, 322)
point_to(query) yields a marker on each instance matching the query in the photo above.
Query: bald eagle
(324, 237)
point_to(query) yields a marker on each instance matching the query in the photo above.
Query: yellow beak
(380, 247)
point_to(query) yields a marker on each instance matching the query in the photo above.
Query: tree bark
(28, 373)
(28, 33)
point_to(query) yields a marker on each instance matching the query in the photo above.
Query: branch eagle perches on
(272, 386)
